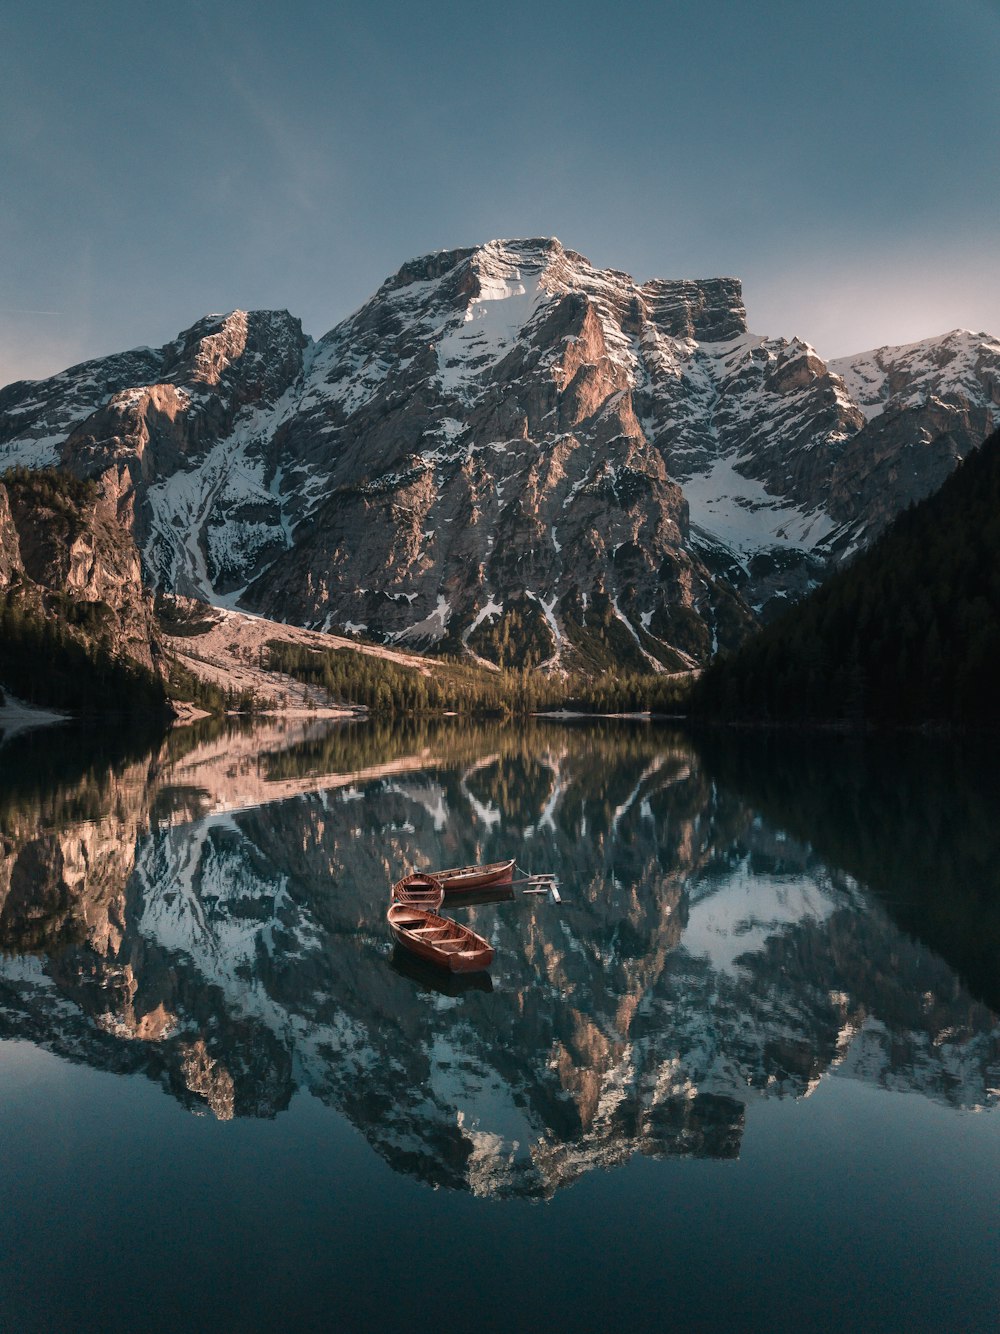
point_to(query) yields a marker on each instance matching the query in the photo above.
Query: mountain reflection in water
(740, 919)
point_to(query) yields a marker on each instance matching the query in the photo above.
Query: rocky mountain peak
(708, 309)
(948, 368)
(510, 452)
(210, 353)
(237, 343)
(425, 268)
(497, 257)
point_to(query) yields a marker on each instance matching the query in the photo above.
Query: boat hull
(439, 940)
(463, 879)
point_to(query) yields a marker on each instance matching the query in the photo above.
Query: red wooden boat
(461, 879)
(419, 891)
(439, 940)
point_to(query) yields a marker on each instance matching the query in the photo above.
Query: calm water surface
(744, 1076)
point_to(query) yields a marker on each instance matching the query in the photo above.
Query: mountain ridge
(908, 633)
(507, 450)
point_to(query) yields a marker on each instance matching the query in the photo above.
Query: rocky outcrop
(11, 567)
(711, 311)
(510, 453)
(66, 558)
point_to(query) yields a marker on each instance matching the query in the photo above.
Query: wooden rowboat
(460, 879)
(439, 940)
(419, 891)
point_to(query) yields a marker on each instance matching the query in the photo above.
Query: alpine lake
(744, 1075)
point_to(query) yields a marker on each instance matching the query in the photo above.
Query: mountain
(510, 452)
(908, 633)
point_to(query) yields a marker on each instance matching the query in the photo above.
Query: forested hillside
(908, 633)
(456, 687)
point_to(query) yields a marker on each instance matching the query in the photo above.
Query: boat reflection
(477, 898)
(429, 978)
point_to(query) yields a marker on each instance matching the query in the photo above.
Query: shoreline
(17, 716)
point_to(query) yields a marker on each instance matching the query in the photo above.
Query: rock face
(10, 548)
(509, 452)
(66, 557)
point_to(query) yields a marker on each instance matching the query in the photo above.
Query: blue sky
(160, 161)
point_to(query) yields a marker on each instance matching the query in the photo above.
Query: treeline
(516, 635)
(53, 489)
(187, 688)
(597, 638)
(43, 662)
(387, 687)
(630, 692)
(908, 633)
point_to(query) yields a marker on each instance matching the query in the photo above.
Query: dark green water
(745, 1075)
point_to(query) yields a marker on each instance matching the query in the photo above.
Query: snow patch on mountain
(489, 328)
(433, 627)
(740, 513)
(200, 532)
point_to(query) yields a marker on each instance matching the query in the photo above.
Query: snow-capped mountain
(509, 447)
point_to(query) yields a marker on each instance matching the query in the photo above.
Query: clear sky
(159, 161)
